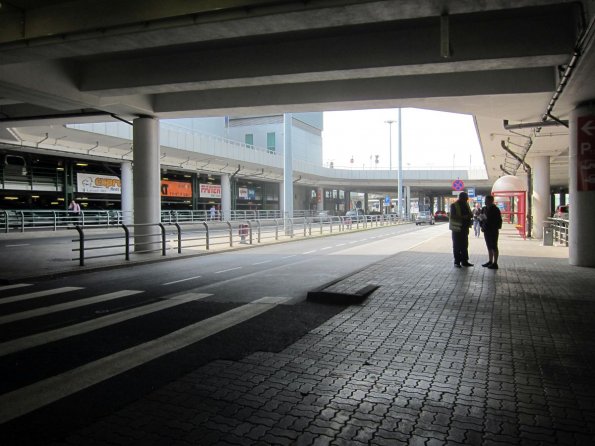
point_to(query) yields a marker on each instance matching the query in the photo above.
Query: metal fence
(30, 220)
(560, 230)
(186, 237)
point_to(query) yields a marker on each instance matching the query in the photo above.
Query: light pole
(400, 165)
(390, 143)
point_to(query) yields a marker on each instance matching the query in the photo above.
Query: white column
(582, 195)
(320, 199)
(225, 197)
(408, 202)
(541, 193)
(127, 194)
(400, 171)
(287, 166)
(147, 181)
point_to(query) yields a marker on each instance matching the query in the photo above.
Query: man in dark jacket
(459, 224)
(491, 223)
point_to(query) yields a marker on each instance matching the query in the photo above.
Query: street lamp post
(390, 143)
(400, 165)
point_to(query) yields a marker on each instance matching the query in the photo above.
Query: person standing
(213, 212)
(74, 207)
(459, 224)
(491, 223)
(476, 225)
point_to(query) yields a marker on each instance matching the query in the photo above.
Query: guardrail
(207, 235)
(28, 220)
(560, 230)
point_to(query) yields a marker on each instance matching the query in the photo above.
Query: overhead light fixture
(82, 164)
(60, 168)
(11, 198)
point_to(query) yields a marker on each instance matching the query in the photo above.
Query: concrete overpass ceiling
(495, 60)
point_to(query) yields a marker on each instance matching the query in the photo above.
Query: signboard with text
(176, 189)
(585, 156)
(98, 184)
(209, 190)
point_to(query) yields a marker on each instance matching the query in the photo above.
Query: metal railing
(28, 220)
(185, 237)
(560, 230)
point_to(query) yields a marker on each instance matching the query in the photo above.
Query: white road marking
(13, 286)
(325, 248)
(26, 399)
(46, 337)
(20, 297)
(262, 263)
(66, 306)
(288, 257)
(226, 270)
(182, 280)
(309, 252)
(16, 245)
(340, 244)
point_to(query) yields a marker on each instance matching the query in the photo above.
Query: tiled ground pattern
(435, 356)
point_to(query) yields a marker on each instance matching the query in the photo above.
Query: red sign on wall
(585, 157)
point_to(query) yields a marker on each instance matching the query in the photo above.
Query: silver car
(424, 217)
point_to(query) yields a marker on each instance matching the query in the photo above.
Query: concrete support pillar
(146, 181)
(287, 166)
(541, 193)
(407, 213)
(319, 199)
(127, 195)
(225, 197)
(365, 205)
(582, 193)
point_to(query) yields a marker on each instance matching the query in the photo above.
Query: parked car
(562, 211)
(322, 217)
(355, 215)
(424, 217)
(441, 216)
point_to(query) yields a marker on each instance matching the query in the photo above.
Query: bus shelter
(510, 195)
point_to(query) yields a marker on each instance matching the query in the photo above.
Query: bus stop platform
(435, 356)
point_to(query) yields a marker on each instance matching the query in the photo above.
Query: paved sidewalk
(436, 355)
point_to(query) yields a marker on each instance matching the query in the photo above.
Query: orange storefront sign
(176, 189)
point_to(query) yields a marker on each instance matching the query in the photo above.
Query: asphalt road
(75, 348)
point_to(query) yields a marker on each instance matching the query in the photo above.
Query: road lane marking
(226, 270)
(288, 257)
(325, 248)
(17, 245)
(34, 396)
(27, 296)
(46, 337)
(13, 286)
(340, 244)
(182, 280)
(66, 306)
(309, 252)
(262, 263)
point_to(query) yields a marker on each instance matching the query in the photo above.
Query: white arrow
(588, 127)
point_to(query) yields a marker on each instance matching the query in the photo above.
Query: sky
(429, 138)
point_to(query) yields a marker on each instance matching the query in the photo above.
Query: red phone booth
(510, 194)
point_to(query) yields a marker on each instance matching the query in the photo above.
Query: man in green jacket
(460, 221)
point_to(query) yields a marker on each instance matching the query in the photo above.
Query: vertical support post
(225, 197)
(146, 180)
(127, 197)
(163, 241)
(179, 238)
(206, 225)
(126, 241)
(541, 193)
(287, 169)
(81, 245)
(230, 233)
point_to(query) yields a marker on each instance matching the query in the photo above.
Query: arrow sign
(588, 127)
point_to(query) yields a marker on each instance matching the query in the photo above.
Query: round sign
(458, 185)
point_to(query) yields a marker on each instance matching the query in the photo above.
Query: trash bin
(548, 234)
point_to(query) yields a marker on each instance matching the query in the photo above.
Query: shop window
(249, 139)
(271, 142)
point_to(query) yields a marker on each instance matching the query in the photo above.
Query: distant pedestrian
(476, 224)
(459, 224)
(213, 212)
(491, 223)
(74, 207)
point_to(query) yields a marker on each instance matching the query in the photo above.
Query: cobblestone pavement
(436, 355)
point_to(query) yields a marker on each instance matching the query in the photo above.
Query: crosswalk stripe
(64, 289)
(26, 399)
(66, 306)
(46, 337)
(13, 286)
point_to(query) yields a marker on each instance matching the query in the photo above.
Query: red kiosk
(510, 194)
